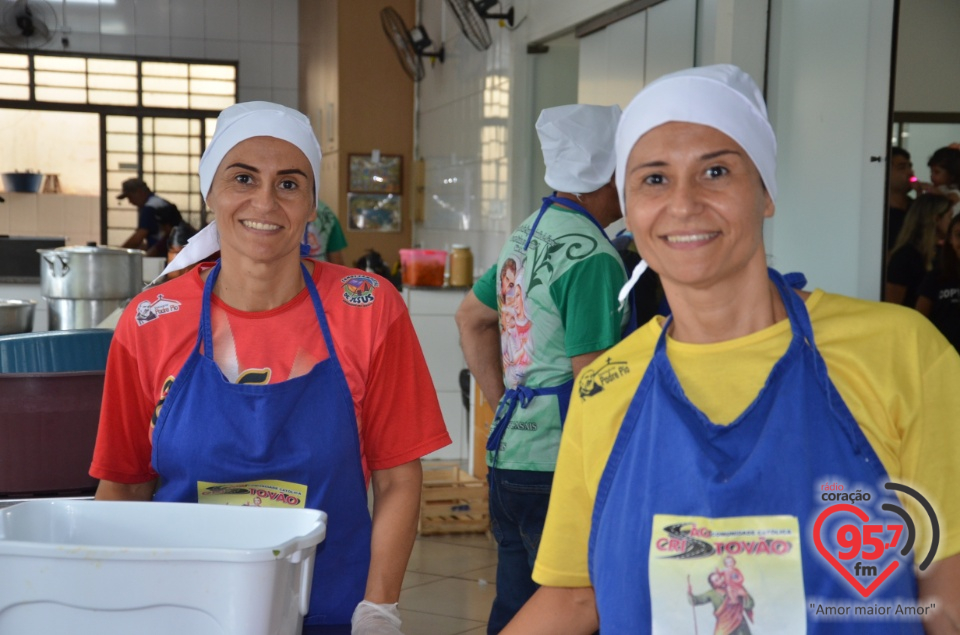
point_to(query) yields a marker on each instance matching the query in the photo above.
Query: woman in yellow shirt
(759, 420)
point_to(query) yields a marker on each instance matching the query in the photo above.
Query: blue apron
(303, 430)
(668, 458)
(521, 396)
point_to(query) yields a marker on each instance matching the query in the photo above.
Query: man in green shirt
(531, 323)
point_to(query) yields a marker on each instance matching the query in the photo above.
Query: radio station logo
(866, 550)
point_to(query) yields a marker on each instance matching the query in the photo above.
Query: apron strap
(205, 333)
(566, 202)
(522, 396)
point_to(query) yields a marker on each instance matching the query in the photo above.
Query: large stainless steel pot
(16, 316)
(64, 314)
(91, 273)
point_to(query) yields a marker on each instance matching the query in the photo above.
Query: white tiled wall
(464, 113)
(75, 217)
(476, 121)
(259, 33)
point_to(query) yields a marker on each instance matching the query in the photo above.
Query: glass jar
(461, 266)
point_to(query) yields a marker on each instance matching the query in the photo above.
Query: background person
(555, 294)
(915, 251)
(944, 167)
(939, 295)
(269, 372)
(156, 218)
(898, 193)
(325, 236)
(820, 388)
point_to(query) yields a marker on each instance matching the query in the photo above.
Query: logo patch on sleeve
(358, 290)
(149, 311)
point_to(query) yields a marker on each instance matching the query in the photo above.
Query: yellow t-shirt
(898, 376)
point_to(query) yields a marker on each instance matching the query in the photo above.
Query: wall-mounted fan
(27, 24)
(411, 44)
(472, 16)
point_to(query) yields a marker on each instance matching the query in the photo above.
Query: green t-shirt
(556, 300)
(324, 234)
(485, 288)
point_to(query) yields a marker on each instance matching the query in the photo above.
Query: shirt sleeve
(562, 555)
(930, 437)
(486, 288)
(586, 296)
(930, 286)
(337, 241)
(401, 418)
(122, 451)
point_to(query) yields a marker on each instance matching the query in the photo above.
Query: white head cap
(577, 144)
(721, 96)
(258, 119)
(236, 124)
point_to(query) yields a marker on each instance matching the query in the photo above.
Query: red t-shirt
(398, 414)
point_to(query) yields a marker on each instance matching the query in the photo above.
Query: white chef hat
(235, 124)
(577, 144)
(720, 96)
(258, 119)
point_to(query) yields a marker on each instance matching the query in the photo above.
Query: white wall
(734, 32)
(33, 140)
(618, 61)
(464, 110)
(827, 96)
(260, 34)
(928, 56)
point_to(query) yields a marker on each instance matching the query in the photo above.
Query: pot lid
(92, 249)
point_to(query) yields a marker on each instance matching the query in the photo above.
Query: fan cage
(27, 23)
(472, 23)
(398, 34)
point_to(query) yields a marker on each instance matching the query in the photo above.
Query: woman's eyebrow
(648, 164)
(718, 153)
(250, 168)
(243, 166)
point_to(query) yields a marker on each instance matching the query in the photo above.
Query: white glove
(375, 619)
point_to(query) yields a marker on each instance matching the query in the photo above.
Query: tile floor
(449, 585)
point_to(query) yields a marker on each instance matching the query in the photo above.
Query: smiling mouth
(252, 224)
(691, 238)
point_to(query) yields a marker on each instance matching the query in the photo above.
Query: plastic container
(423, 267)
(22, 181)
(104, 568)
(461, 266)
(48, 427)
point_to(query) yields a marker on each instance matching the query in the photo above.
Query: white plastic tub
(105, 568)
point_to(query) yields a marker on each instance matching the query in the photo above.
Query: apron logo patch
(729, 576)
(358, 290)
(867, 548)
(594, 381)
(267, 493)
(149, 311)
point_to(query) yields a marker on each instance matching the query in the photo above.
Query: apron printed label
(253, 494)
(726, 576)
(149, 311)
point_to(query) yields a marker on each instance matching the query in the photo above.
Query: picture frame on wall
(375, 173)
(374, 212)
